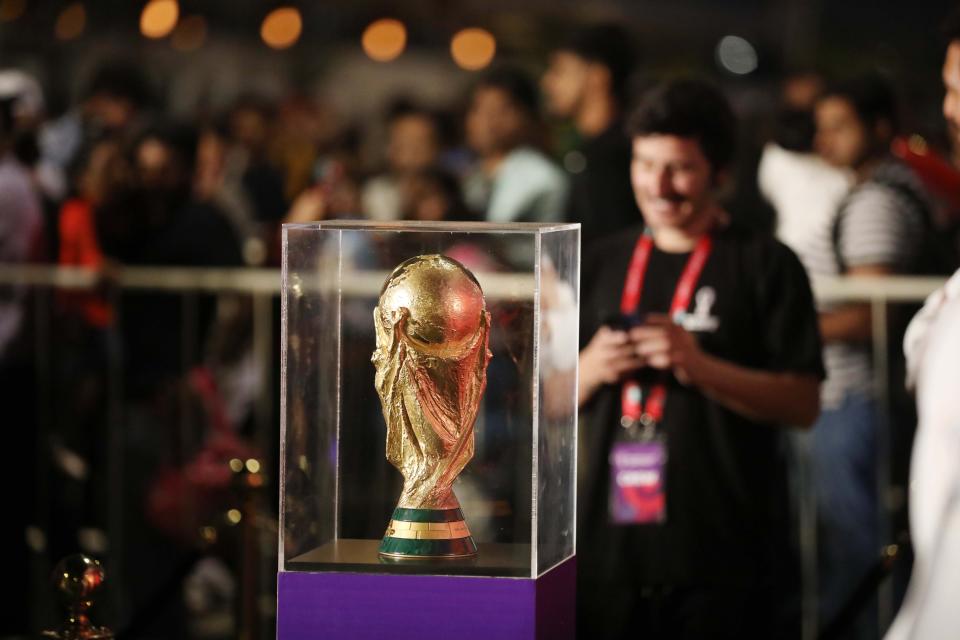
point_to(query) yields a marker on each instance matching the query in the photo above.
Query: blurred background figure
(116, 102)
(587, 83)
(413, 145)
(877, 229)
(219, 181)
(20, 226)
(802, 187)
(20, 203)
(250, 128)
(932, 347)
(433, 195)
(336, 188)
(513, 181)
(159, 221)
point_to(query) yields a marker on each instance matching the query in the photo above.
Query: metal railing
(263, 286)
(880, 293)
(36, 287)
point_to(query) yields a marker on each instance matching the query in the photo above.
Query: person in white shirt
(802, 187)
(932, 347)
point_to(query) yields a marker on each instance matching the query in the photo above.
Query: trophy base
(427, 533)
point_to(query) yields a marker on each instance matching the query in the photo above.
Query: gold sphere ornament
(78, 578)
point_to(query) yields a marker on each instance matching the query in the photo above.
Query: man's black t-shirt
(727, 500)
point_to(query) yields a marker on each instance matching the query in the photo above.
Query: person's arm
(785, 398)
(852, 322)
(780, 397)
(875, 234)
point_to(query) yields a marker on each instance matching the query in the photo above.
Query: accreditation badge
(637, 481)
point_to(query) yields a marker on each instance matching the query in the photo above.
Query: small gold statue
(431, 360)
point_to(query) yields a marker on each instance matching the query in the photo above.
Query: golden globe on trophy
(432, 333)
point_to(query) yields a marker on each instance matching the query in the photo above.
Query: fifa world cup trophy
(431, 359)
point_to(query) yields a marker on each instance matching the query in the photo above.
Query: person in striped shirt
(876, 230)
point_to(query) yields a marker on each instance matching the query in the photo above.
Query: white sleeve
(930, 609)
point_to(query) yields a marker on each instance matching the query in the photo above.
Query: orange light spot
(71, 22)
(281, 28)
(159, 18)
(10, 10)
(384, 40)
(473, 49)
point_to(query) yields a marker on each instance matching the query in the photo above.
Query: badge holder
(638, 474)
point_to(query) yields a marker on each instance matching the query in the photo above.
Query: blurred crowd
(118, 180)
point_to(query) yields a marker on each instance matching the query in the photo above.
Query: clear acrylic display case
(337, 488)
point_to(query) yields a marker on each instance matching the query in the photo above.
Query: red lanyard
(635, 410)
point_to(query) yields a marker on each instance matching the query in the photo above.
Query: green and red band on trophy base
(427, 533)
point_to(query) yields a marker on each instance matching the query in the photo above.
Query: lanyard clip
(645, 421)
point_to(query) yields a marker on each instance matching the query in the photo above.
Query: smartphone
(625, 321)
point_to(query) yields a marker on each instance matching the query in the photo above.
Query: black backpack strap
(835, 232)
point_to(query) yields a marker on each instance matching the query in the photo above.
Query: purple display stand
(355, 606)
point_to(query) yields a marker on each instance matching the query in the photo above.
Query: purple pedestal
(355, 606)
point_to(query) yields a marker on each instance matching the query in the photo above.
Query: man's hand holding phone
(662, 344)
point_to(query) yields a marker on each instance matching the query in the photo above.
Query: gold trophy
(431, 361)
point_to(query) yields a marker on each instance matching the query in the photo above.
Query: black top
(601, 198)
(153, 323)
(727, 500)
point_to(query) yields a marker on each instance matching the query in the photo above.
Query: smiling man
(700, 341)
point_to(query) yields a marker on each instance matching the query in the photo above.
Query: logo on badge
(700, 320)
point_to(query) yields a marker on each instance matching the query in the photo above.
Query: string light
(10, 10)
(71, 22)
(473, 49)
(384, 39)
(159, 18)
(281, 28)
(736, 55)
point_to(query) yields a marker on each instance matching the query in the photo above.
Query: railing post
(881, 373)
(44, 401)
(807, 517)
(263, 354)
(116, 469)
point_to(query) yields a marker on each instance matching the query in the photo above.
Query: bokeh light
(159, 18)
(384, 40)
(190, 34)
(473, 49)
(10, 10)
(736, 55)
(281, 28)
(71, 22)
